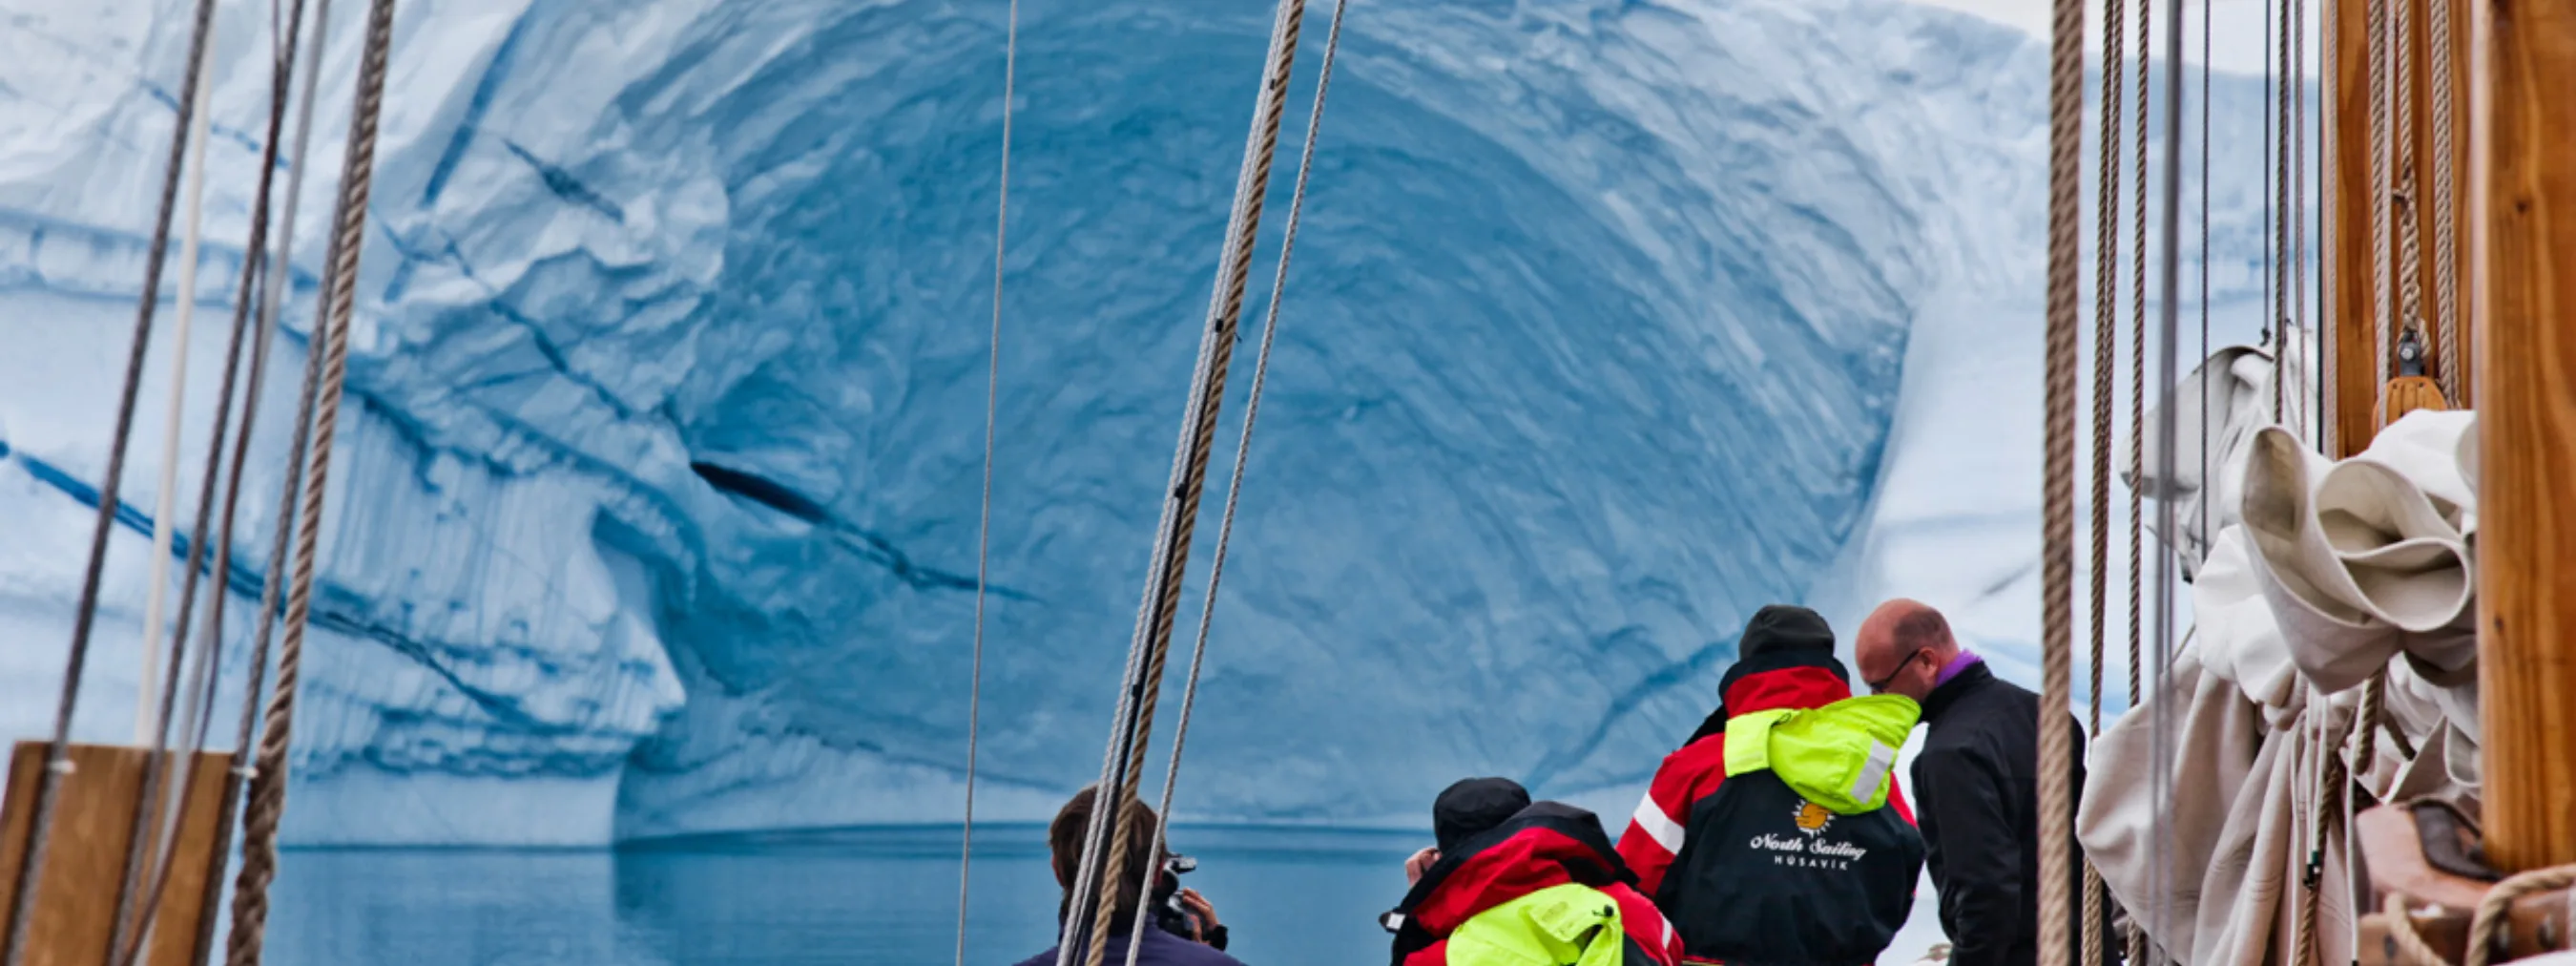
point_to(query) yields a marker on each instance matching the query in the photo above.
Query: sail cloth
(2309, 576)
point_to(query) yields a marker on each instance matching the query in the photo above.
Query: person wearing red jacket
(1776, 834)
(1516, 882)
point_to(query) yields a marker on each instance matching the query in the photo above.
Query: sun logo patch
(1812, 818)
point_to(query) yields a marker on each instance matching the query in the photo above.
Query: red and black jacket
(1545, 845)
(1684, 841)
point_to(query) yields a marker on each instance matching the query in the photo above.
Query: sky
(2236, 43)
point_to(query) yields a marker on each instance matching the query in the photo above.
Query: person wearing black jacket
(1976, 785)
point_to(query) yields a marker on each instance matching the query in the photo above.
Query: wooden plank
(2523, 191)
(85, 855)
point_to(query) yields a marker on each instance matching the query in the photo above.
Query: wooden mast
(2523, 247)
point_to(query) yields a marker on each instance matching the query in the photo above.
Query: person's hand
(1204, 911)
(1420, 863)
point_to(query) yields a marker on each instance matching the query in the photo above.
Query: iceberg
(655, 509)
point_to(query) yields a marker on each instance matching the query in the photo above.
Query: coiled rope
(85, 615)
(984, 529)
(1150, 650)
(2057, 529)
(1242, 455)
(339, 298)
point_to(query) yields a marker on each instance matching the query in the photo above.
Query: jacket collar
(1775, 681)
(1974, 677)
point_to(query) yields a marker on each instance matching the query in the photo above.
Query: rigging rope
(2057, 561)
(85, 615)
(2410, 256)
(1242, 455)
(256, 283)
(166, 497)
(2278, 201)
(2384, 334)
(140, 838)
(1150, 650)
(984, 529)
(2445, 223)
(339, 296)
(278, 270)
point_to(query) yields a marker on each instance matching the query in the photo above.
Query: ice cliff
(657, 511)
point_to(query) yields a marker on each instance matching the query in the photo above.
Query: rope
(2057, 562)
(2207, 108)
(2445, 267)
(291, 488)
(2373, 693)
(2410, 252)
(85, 615)
(2331, 781)
(2106, 315)
(2499, 900)
(166, 498)
(1242, 455)
(2169, 282)
(340, 286)
(200, 716)
(2411, 948)
(984, 530)
(2271, 199)
(156, 717)
(1180, 512)
(2384, 326)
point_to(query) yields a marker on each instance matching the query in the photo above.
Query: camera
(1170, 914)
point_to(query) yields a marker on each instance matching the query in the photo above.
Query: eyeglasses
(1880, 686)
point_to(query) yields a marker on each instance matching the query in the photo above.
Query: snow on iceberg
(657, 511)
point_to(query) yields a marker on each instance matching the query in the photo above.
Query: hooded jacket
(1777, 834)
(1545, 886)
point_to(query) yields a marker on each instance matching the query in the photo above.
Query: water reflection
(889, 895)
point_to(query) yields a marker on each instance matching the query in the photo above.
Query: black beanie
(1473, 806)
(1784, 627)
(1779, 636)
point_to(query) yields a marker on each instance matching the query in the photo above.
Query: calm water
(876, 896)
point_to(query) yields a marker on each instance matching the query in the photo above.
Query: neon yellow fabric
(1567, 925)
(1841, 756)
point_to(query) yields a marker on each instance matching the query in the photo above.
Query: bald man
(1976, 789)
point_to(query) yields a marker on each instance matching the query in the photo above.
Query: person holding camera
(1181, 927)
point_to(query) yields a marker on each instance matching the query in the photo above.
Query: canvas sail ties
(2057, 560)
(338, 302)
(58, 749)
(1242, 455)
(984, 528)
(1149, 651)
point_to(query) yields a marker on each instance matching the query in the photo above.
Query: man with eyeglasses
(1975, 782)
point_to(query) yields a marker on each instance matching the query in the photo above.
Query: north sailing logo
(1810, 849)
